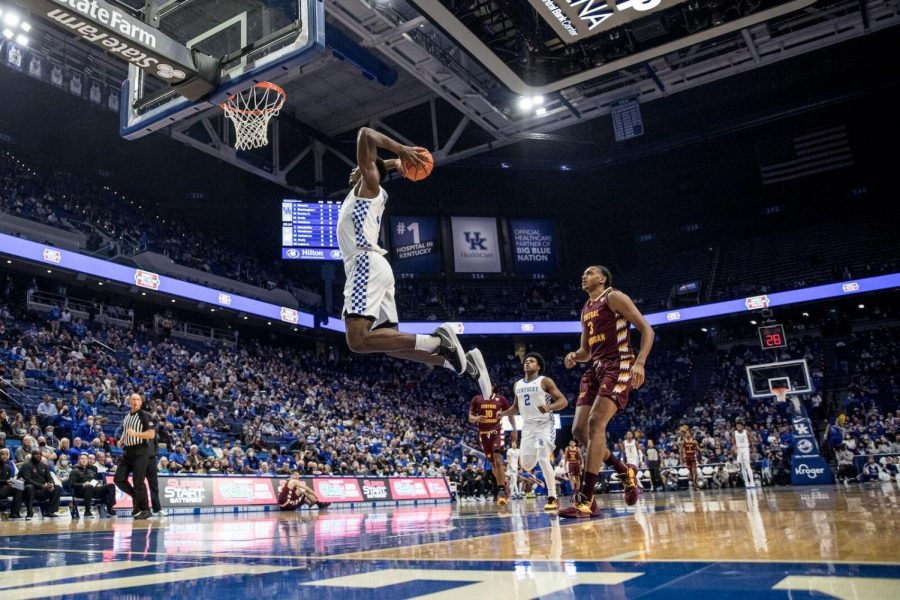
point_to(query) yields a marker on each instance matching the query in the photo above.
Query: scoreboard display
(309, 230)
(772, 336)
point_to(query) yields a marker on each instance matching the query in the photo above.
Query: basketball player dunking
(573, 460)
(370, 310)
(613, 373)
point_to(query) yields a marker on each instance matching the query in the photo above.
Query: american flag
(785, 159)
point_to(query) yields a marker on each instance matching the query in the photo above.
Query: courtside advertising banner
(476, 245)
(334, 489)
(415, 245)
(190, 491)
(533, 245)
(243, 491)
(408, 489)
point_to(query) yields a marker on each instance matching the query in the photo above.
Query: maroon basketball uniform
(609, 339)
(489, 429)
(289, 498)
(573, 461)
(690, 453)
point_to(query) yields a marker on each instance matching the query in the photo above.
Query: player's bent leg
(601, 412)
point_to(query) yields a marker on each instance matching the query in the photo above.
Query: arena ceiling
(463, 67)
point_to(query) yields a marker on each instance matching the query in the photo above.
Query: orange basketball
(419, 172)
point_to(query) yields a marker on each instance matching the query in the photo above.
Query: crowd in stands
(66, 200)
(267, 409)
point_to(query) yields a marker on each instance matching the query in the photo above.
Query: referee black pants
(153, 483)
(134, 461)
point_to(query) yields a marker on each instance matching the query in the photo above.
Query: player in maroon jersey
(573, 458)
(689, 451)
(486, 414)
(613, 373)
(294, 494)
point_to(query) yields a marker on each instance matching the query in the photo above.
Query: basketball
(419, 172)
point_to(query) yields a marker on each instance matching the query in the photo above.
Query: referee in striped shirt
(136, 432)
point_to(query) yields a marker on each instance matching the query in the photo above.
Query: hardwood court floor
(784, 543)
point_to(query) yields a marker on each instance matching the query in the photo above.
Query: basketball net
(251, 110)
(781, 393)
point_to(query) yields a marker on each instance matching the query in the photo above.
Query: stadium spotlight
(752, 322)
(22, 39)
(541, 111)
(526, 103)
(537, 100)
(862, 305)
(8, 34)
(704, 329)
(11, 19)
(26, 27)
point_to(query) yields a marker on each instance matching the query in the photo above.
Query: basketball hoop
(251, 110)
(780, 393)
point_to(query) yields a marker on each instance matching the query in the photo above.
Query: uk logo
(476, 242)
(801, 428)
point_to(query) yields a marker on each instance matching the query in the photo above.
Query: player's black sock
(587, 485)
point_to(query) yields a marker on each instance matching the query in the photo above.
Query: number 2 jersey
(530, 395)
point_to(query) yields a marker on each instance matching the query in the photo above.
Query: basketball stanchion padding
(251, 110)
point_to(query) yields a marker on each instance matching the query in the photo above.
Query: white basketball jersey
(512, 459)
(631, 450)
(359, 224)
(742, 440)
(530, 395)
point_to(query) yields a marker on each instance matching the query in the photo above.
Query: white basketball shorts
(369, 290)
(537, 441)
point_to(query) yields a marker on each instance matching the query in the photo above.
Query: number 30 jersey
(530, 395)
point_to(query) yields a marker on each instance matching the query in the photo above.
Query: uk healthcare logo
(476, 242)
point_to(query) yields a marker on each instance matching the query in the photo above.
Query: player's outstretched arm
(559, 400)
(623, 305)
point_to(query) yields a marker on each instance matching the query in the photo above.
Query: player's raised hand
(410, 157)
(569, 360)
